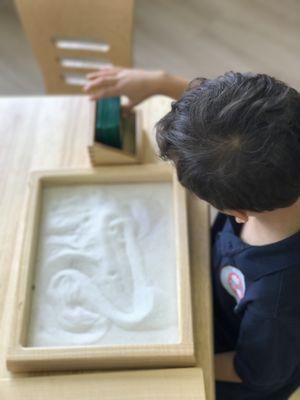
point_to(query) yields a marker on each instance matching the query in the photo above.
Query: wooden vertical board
(24, 358)
(95, 21)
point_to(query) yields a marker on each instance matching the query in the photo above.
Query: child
(235, 142)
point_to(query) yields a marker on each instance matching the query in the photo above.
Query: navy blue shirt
(257, 312)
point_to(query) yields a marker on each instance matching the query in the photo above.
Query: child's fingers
(92, 75)
(103, 94)
(99, 83)
(103, 71)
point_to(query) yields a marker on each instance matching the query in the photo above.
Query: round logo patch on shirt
(233, 281)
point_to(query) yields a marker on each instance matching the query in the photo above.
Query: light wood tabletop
(51, 132)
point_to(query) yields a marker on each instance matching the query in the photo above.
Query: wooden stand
(132, 151)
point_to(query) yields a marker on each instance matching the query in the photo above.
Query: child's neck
(272, 226)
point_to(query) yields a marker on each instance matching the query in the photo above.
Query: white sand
(105, 270)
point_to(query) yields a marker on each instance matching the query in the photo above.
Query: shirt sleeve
(268, 351)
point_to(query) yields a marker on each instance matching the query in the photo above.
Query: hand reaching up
(135, 84)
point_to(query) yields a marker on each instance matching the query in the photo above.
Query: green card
(108, 122)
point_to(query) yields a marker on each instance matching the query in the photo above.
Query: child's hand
(136, 84)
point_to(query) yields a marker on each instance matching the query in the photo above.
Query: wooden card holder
(132, 151)
(22, 357)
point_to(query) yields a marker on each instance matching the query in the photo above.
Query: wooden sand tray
(21, 357)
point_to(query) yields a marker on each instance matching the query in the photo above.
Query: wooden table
(49, 132)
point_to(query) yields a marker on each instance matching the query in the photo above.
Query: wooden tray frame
(21, 358)
(101, 154)
(158, 384)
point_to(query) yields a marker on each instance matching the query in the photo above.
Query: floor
(191, 38)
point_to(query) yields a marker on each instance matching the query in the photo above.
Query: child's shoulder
(275, 295)
(288, 302)
(271, 272)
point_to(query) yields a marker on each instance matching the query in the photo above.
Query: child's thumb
(127, 107)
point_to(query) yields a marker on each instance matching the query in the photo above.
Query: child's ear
(240, 216)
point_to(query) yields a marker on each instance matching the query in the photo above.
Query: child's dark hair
(235, 141)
